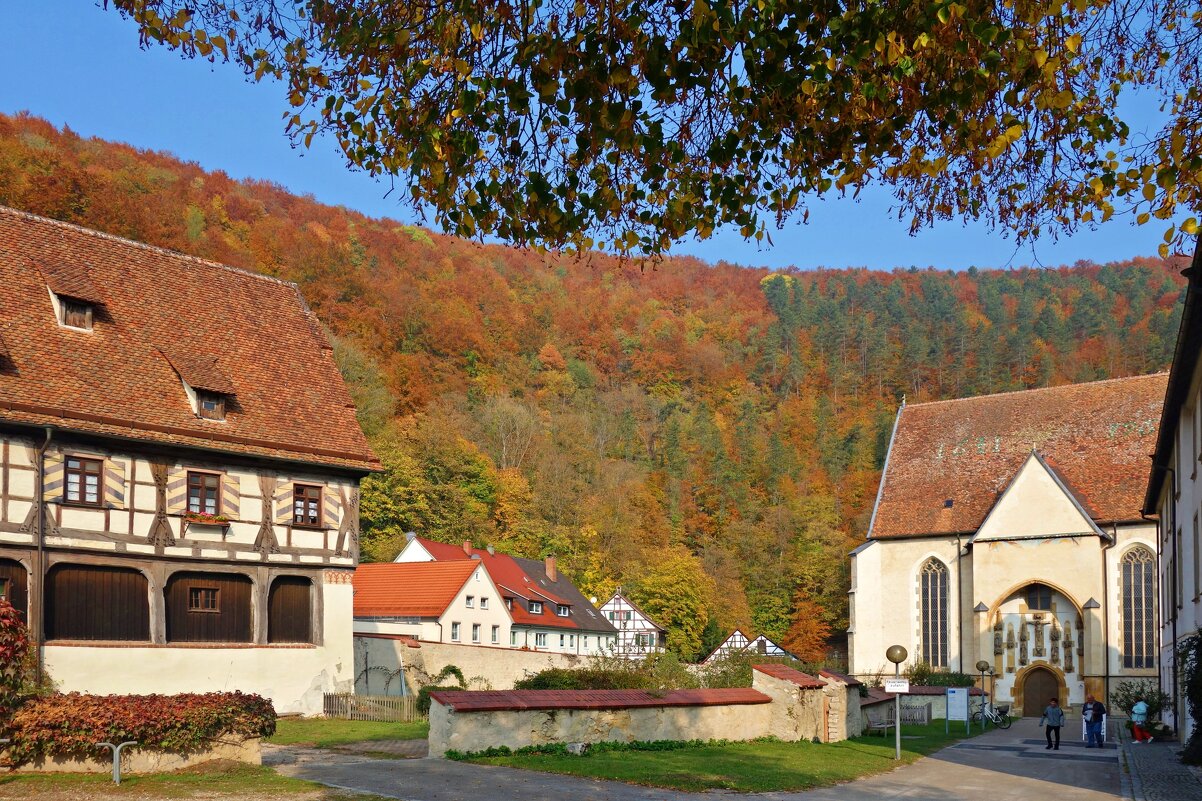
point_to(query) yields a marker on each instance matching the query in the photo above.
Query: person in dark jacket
(1093, 712)
(1053, 719)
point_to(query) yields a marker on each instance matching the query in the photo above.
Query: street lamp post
(896, 654)
(983, 666)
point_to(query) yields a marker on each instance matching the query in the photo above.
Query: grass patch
(753, 767)
(210, 779)
(329, 733)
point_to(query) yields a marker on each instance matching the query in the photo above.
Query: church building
(1008, 528)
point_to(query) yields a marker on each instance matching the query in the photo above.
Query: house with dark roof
(548, 612)
(179, 471)
(1174, 497)
(1007, 529)
(638, 634)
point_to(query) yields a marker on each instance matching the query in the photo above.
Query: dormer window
(536, 607)
(75, 314)
(562, 610)
(210, 405)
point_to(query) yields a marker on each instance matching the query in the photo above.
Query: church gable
(1037, 504)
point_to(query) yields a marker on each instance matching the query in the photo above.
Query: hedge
(70, 725)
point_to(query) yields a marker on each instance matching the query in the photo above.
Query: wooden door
(14, 581)
(1039, 687)
(289, 610)
(97, 602)
(208, 607)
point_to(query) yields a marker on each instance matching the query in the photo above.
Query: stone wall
(377, 658)
(782, 703)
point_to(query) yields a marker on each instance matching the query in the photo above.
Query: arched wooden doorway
(1039, 686)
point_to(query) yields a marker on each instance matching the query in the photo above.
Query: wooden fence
(389, 708)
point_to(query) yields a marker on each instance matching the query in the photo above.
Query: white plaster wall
(885, 603)
(292, 677)
(1033, 505)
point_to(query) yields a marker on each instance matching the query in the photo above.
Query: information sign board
(897, 685)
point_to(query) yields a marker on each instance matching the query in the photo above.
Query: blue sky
(75, 64)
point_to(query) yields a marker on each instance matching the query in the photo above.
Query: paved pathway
(1155, 772)
(1008, 765)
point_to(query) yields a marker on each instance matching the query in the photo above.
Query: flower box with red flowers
(205, 519)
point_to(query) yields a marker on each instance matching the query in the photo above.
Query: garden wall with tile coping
(782, 703)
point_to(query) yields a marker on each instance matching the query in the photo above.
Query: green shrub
(423, 695)
(70, 725)
(1189, 658)
(922, 674)
(1124, 696)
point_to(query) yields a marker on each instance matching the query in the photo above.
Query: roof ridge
(1114, 380)
(153, 248)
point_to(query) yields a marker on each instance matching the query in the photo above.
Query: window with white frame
(540, 640)
(561, 640)
(454, 632)
(563, 610)
(483, 603)
(475, 632)
(536, 607)
(471, 601)
(496, 635)
(513, 637)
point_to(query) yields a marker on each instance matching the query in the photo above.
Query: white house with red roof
(548, 612)
(1007, 529)
(448, 602)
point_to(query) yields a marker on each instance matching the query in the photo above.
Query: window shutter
(114, 484)
(52, 483)
(283, 502)
(177, 491)
(231, 497)
(331, 507)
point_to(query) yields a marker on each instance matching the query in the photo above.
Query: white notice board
(957, 706)
(897, 686)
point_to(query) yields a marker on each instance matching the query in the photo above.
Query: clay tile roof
(518, 700)
(230, 328)
(409, 589)
(786, 673)
(201, 372)
(850, 681)
(525, 580)
(69, 279)
(1096, 436)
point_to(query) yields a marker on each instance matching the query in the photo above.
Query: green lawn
(213, 780)
(755, 767)
(328, 733)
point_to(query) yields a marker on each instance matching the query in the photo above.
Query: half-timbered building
(638, 634)
(179, 471)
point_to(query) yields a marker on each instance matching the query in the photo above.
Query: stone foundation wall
(136, 761)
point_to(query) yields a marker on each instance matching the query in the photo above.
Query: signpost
(957, 708)
(897, 686)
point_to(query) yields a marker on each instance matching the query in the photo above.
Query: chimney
(410, 536)
(549, 565)
(467, 547)
(491, 551)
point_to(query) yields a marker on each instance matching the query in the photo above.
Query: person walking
(1052, 720)
(1139, 719)
(1094, 714)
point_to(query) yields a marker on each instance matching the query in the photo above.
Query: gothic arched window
(932, 586)
(1139, 595)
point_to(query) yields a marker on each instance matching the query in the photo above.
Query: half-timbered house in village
(179, 470)
(638, 634)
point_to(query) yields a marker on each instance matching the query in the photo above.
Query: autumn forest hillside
(707, 436)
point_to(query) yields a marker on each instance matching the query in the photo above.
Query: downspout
(1114, 538)
(960, 600)
(1173, 585)
(39, 631)
(1156, 622)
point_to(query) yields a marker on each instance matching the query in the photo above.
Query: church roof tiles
(1096, 436)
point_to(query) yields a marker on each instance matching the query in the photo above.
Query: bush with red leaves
(14, 645)
(70, 725)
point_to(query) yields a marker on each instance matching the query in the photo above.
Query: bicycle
(999, 716)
